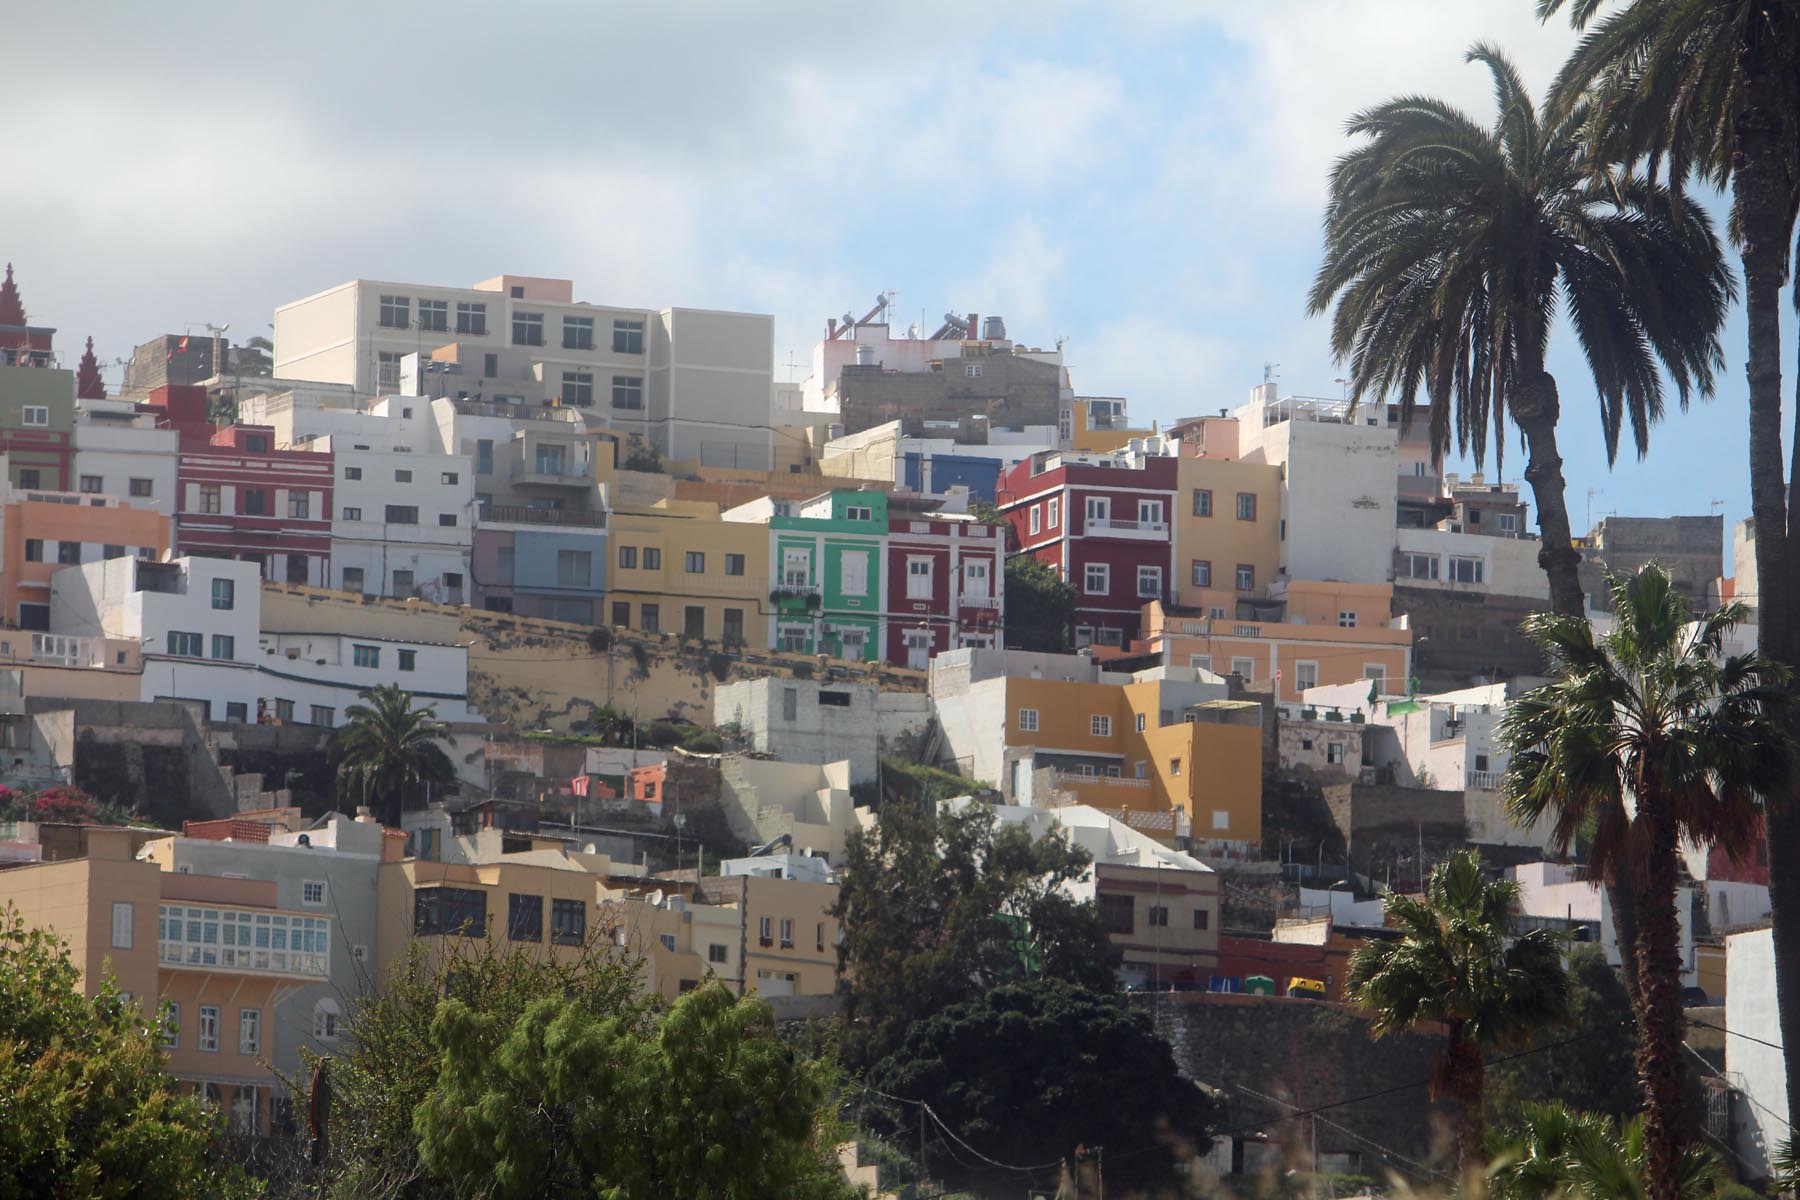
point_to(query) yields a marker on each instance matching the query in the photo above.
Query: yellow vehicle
(1306, 989)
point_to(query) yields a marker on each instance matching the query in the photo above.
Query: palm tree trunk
(1468, 1076)
(1660, 1020)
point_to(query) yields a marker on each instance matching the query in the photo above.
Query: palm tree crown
(387, 747)
(1559, 1152)
(1458, 962)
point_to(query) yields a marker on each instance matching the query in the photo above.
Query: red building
(1102, 522)
(21, 345)
(37, 400)
(239, 497)
(945, 581)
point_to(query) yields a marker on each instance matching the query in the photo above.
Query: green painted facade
(825, 575)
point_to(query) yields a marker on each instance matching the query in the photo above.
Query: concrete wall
(817, 732)
(1338, 496)
(1762, 1121)
(1383, 826)
(1464, 636)
(1509, 566)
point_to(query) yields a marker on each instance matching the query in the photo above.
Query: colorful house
(946, 582)
(46, 531)
(678, 568)
(825, 565)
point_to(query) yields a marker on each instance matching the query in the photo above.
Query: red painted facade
(935, 598)
(1752, 866)
(1116, 520)
(21, 345)
(238, 497)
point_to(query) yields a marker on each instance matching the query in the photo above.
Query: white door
(918, 650)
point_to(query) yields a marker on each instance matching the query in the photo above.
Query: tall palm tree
(1711, 89)
(1450, 247)
(1657, 712)
(388, 747)
(1457, 962)
(1559, 1152)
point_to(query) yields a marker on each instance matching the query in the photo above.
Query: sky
(1144, 180)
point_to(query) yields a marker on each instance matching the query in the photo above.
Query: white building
(1754, 1061)
(1469, 563)
(126, 457)
(312, 678)
(1556, 896)
(805, 720)
(934, 466)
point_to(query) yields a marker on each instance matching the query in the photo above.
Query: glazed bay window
(578, 333)
(240, 940)
(471, 319)
(528, 329)
(578, 388)
(449, 910)
(394, 312)
(434, 315)
(628, 392)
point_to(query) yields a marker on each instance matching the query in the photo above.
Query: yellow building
(1227, 527)
(677, 568)
(1306, 633)
(1099, 424)
(789, 937)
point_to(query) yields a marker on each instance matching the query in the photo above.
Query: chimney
(830, 328)
(365, 814)
(974, 327)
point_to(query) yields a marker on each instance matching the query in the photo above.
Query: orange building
(46, 531)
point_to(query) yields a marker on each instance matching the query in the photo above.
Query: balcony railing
(521, 514)
(1484, 781)
(209, 938)
(61, 650)
(1129, 528)
(553, 470)
(992, 602)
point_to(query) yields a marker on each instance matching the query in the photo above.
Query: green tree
(1040, 607)
(1588, 1063)
(938, 904)
(1559, 1151)
(88, 1109)
(640, 455)
(1458, 962)
(1710, 89)
(1657, 710)
(1450, 247)
(388, 748)
(703, 1101)
(1028, 1071)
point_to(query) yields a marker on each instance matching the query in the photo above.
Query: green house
(825, 569)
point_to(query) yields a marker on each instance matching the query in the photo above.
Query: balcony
(991, 603)
(522, 514)
(59, 650)
(1149, 531)
(1484, 781)
(553, 472)
(194, 937)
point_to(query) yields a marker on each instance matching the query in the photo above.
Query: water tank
(865, 355)
(993, 329)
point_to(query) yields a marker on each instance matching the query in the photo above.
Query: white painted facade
(321, 674)
(1105, 838)
(805, 720)
(1758, 1070)
(403, 523)
(1558, 892)
(1469, 562)
(132, 460)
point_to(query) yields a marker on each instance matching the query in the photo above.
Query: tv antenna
(1271, 371)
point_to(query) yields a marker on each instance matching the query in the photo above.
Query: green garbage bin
(1259, 985)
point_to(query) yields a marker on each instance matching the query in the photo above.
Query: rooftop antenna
(793, 365)
(1592, 492)
(1716, 506)
(1271, 371)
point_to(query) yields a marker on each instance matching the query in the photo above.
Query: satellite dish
(655, 898)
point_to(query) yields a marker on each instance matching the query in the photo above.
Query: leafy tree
(1449, 247)
(1560, 1151)
(1458, 963)
(704, 1101)
(640, 455)
(1710, 89)
(1658, 710)
(89, 1111)
(1030, 1070)
(938, 904)
(255, 357)
(1587, 1064)
(1040, 607)
(388, 748)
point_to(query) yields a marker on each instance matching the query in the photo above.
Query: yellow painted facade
(1087, 434)
(1218, 536)
(678, 563)
(789, 934)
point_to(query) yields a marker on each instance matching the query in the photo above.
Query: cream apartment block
(697, 384)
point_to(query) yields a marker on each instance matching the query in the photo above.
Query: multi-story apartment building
(946, 582)
(1103, 523)
(121, 452)
(1301, 634)
(787, 933)
(694, 383)
(678, 568)
(37, 419)
(933, 466)
(1164, 746)
(43, 532)
(1227, 526)
(825, 563)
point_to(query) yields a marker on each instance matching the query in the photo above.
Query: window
(1119, 913)
(793, 638)
(628, 392)
(972, 371)
(224, 646)
(528, 329)
(1419, 566)
(401, 514)
(446, 520)
(621, 614)
(918, 579)
(207, 1036)
(209, 497)
(36, 414)
(787, 933)
(628, 337)
(1509, 522)
(1099, 509)
(716, 952)
(1202, 918)
(1481, 764)
(1201, 662)
(853, 572)
(484, 456)
(696, 562)
(408, 659)
(68, 553)
(353, 579)
(1334, 753)
(351, 513)
(1346, 619)
(28, 478)
(1306, 675)
(568, 922)
(92, 484)
(525, 917)
(249, 1031)
(765, 931)
(299, 506)
(394, 312)
(578, 333)
(1203, 502)
(859, 512)
(1201, 573)
(124, 912)
(1140, 722)
(693, 621)
(111, 551)
(141, 488)
(1035, 517)
(1246, 577)
(490, 365)
(578, 388)
(733, 629)
(365, 656)
(255, 502)
(650, 618)
(1221, 820)
(1052, 512)
(352, 472)
(34, 549)
(450, 910)
(471, 318)
(1097, 579)
(1246, 506)
(1174, 766)
(652, 558)
(434, 315)
(387, 369)
(187, 645)
(284, 710)
(627, 557)
(172, 1033)
(1245, 667)
(1158, 916)
(1376, 674)
(1150, 512)
(325, 1020)
(1149, 583)
(1465, 570)
(1100, 725)
(402, 476)
(790, 704)
(574, 568)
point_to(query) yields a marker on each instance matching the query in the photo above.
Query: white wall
(1556, 890)
(368, 482)
(818, 733)
(973, 720)
(1509, 565)
(321, 669)
(1761, 1072)
(120, 453)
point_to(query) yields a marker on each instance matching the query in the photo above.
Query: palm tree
(1559, 1152)
(1449, 248)
(1458, 963)
(1711, 89)
(388, 747)
(1655, 711)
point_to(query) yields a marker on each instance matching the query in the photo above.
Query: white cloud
(1016, 281)
(1165, 369)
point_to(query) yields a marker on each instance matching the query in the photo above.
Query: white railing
(1124, 525)
(1484, 781)
(1246, 631)
(980, 602)
(62, 650)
